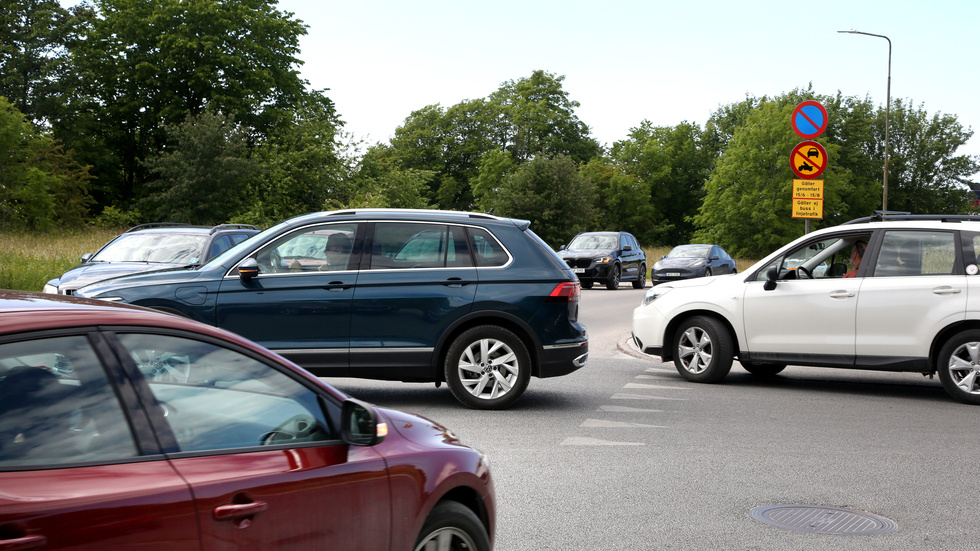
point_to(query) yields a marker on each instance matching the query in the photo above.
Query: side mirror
(627, 248)
(248, 269)
(85, 257)
(715, 257)
(771, 275)
(562, 248)
(359, 425)
(663, 257)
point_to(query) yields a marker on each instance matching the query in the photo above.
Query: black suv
(606, 257)
(151, 247)
(471, 299)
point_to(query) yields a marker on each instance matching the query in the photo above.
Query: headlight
(655, 293)
(603, 260)
(50, 289)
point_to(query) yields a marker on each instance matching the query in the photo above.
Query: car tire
(763, 370)
(586, 283)
(487, 367)
(613, 282)
(452, 526)
(703, 351)
(707, 273)
(959, 366)
(641, 280)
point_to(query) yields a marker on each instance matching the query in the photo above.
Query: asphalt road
(625, 454)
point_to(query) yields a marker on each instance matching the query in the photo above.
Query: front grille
(578, 262)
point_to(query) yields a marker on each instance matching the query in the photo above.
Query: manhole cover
(822, 520)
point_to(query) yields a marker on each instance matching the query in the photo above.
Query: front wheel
(452, 527)
(488, 367)
(586, 283)
(641, 280)
(959, 367)
(613, 282)
(703, 350)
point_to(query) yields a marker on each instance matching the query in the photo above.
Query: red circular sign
(809, 119)
(809, 159)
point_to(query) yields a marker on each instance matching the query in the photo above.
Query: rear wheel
(959, 367)
(762, 370)
(488, 367)
(641, 280)
(613, 282)
(452, 527)
(703, 351)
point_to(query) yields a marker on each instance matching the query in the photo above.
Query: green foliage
(28, 260)
(111, 217)
(39, 184)
(552, 194)
(201, 179)
(494, 167)
(622, 200)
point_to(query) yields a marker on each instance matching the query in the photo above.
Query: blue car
(150, 247)
(473, 300)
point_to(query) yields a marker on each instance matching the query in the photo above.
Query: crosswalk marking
(624, 409)
(604, 424)
(625, 396)
(655, 387)
(585, 441)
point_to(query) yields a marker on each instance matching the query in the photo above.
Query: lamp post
(888, 105)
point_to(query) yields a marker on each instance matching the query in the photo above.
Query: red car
(124, 428)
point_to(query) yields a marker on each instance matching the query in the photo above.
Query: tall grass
(29, 260)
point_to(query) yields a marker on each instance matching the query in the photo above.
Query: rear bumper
(562, 359)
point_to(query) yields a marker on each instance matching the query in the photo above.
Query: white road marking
(584, 441)
(624, 409)
(623, 396)
(601, 423)
(655, 387)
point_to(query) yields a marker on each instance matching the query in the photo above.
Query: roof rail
(892, 215)
(232, 227)
(157, 225)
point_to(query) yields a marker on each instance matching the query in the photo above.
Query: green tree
(552, 193)
(202, 177)
(673, 164)
(381, 181)
(150, 63)
(40, 185)
(924, 173)
(622, 200)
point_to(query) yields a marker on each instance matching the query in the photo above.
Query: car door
(803, 320)
(630, 259)
(75, 472)
(260, 449)
(922, 270)
(300, 304)
(417, 281)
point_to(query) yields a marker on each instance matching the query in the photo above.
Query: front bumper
(649, 326)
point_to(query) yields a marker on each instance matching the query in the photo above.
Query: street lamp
(888, 104)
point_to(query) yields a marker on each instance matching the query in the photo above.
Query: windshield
(690, 251)
(154, 248)
(593, 242)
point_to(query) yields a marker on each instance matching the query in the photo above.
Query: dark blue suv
(474, 300)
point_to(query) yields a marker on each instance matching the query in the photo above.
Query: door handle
(841, 294)
(337, 286)
(946, 290)
(455, 282)
(26, 543)
(234, 511)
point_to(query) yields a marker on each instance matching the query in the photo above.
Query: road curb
(629, 347)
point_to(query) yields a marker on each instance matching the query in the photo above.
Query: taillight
(566, 292)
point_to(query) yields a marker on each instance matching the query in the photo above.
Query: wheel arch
(468, 497)
(501, 319)
(943, 336)
(667, 353)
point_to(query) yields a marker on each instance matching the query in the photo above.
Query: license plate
(578, 270)
(673, 274)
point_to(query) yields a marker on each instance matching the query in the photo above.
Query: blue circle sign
(809, 119)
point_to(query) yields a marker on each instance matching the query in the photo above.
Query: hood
(89, 273)
(167, 276)
(583, 252)
(678, 262)
(418, 429)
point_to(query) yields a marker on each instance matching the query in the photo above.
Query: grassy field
(28, 261)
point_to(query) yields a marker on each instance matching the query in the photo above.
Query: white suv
(911, 303)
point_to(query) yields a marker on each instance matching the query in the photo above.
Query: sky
(626, 61)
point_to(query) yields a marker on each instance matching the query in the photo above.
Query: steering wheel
(298, 428)
(271, 263)
(803, 272)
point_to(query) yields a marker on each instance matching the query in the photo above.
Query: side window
(400, 245)
(487, 251)
(914, 253)
(57, 405)
(218, 399)
(220, 244)
(320, 248)
(623, 241)
(830, 257)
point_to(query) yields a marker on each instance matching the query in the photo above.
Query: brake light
(566, 292)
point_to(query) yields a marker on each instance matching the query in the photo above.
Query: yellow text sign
(808, 189)
(807, 208)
